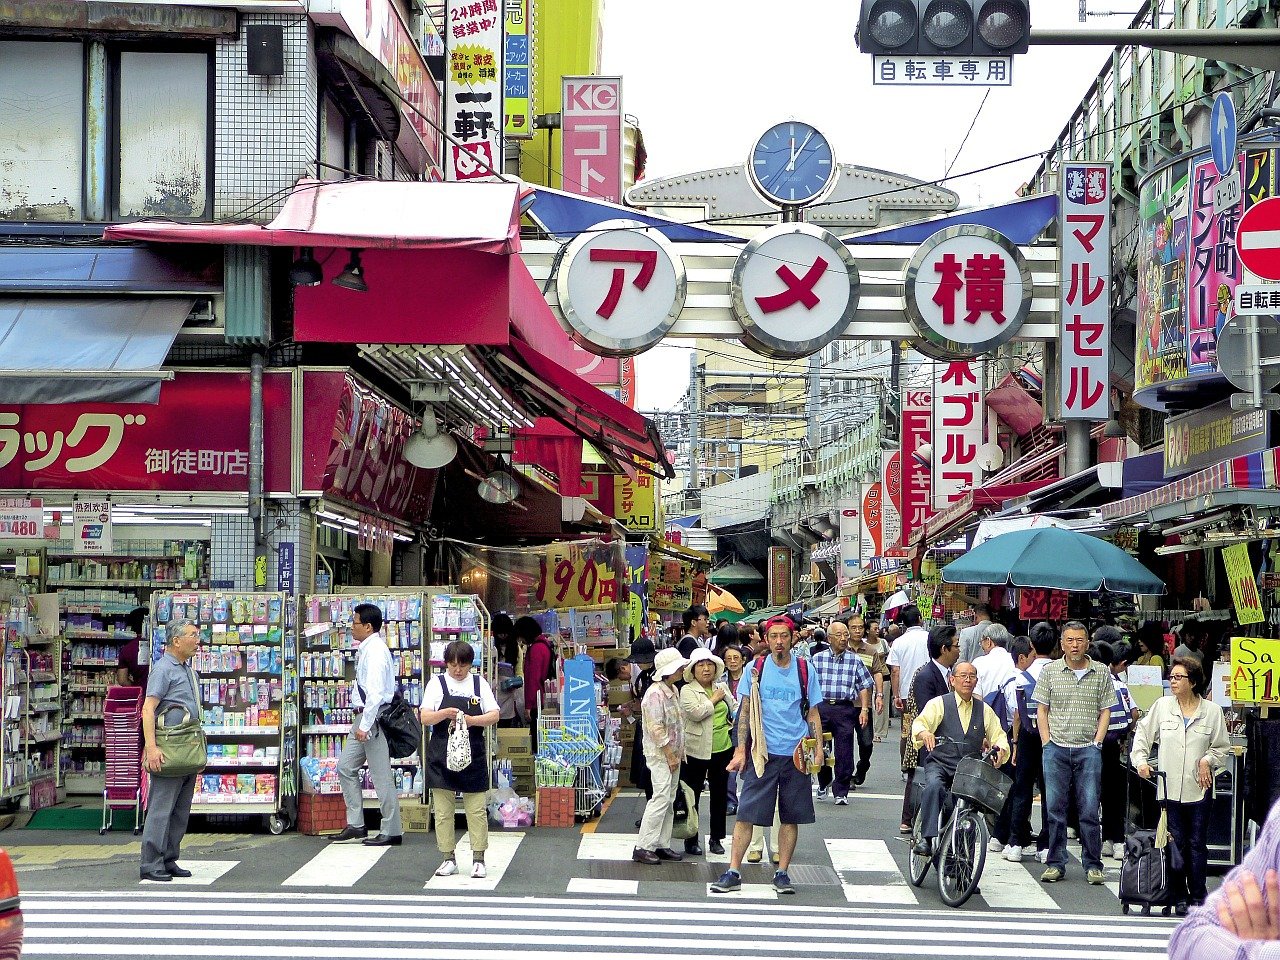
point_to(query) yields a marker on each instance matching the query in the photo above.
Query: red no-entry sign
(1258, 239)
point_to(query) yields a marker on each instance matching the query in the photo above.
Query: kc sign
(968, 290)
(794, 290)
(591, 117)
(1085, 233)
(620, 290)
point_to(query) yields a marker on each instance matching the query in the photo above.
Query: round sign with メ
(794, 289)
(1258, 239)
(968, 290)
(621, 287)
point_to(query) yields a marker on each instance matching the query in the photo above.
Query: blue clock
(792, 164)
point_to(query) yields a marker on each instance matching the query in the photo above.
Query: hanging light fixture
(428, 447)
(305, 271)
(352, 275)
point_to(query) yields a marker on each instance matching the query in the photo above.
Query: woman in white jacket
(707, 706)
(1193, 740)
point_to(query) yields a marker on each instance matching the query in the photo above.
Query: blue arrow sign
(1222, 133)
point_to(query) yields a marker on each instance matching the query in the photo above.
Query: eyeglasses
(965, 676)
(1178, 676)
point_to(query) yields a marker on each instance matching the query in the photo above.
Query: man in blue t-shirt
(779, 706)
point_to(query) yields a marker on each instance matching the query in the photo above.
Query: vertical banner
(285, 581)
(851, 533)
(638, 584)
(957, 429)
(578, 699)
(779, 576)
(517, 83)
(591, 128)
(1244, 588)
(1086, 292)
(890, 501)
(872, 522)
(91, 527)
(916, 433)
(627, 388)
(1213, 268)
(473, 90)
(636, 504)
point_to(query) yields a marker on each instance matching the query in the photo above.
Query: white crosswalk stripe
(337, 926)
(868, 872)
(337, 865)
(502, 850)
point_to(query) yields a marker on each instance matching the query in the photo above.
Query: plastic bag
(458, 754)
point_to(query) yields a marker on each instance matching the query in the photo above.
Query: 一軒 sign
(21, 518)
(958, 431)
(1255, 670)
(91, 527)
(591, 134)
(1202, 438)
(473, 89)
(916, 475)
(1085, 232)
(517, 78)
(968, 290)
(941, 71)
(620, 290)
(1244, 588)
(794, 290)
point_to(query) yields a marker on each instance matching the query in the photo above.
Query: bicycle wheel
(919, 864)
(962, 857)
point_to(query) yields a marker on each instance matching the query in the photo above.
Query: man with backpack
(779, 696)
(1110, 650)
(1028, 773)
(998, 689)
(697, 630)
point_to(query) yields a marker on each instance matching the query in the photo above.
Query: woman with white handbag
(457, 705)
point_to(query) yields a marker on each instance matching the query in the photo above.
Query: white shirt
(993, 670)
(376, 675)
(909, 653)
(465, 688)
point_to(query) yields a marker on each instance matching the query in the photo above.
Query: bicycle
(978, 789)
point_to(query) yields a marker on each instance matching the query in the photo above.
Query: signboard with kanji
(620, 290)
(1257, 300)
(636, 504)
(591, 128)
(941, 71)
(794, 290)
(872, 522)
(958, 431)
(1213, 269)
(473, 89)
(1244, 587)
(890, 500)
(1205, 437)
(1255, 670)
(780, 582)
(968, 290)
(572, 575)
(91, 527)
(917, 482)
(1085, 231)
(1037, 604)
(517, 77)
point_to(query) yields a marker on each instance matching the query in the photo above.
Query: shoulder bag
(182, 745)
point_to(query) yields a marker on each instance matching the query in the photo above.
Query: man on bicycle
(967, 727)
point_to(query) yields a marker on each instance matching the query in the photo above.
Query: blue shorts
(781, 784)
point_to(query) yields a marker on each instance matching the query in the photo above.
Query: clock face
(792, 164)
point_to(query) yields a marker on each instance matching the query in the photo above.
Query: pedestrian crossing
(442, 926)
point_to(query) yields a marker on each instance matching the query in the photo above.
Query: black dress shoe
(159, 876)
(638, 822)
(351, 834)
(693, 848)
(716, 847)
(923, 848)
(666, 853)
(640, 855)
(177, 871)
(381, 840)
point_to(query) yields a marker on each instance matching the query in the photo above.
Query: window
(335, 142)
(42, 144)
(163, 134)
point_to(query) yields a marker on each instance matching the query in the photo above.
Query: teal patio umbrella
(1053, 558)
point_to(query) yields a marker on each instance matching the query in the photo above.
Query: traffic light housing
(944, 28)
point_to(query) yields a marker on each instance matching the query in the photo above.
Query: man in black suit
(932, 680)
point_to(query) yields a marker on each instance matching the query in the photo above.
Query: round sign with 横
(621, 287)
(794, 290)
(968, 290)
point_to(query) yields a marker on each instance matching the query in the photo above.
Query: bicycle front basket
(981, 784)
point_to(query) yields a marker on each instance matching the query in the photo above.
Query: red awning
(365, 214)
(946, 524)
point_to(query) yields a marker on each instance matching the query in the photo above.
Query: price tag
(21, 518)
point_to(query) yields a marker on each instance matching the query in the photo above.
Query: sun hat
(668, 662)
(700, 654)
(642, 651)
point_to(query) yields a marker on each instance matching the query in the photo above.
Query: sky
(705, 77)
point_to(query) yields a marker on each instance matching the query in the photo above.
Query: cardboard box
(415, 816)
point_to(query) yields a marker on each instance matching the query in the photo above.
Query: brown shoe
(753, 856)
(641, 855)
(666, 853)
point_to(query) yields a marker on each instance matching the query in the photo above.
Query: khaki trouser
(477, 821)
(757, 836)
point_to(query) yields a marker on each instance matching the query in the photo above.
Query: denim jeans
(1078, 771)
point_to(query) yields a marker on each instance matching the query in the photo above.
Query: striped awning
(1252, 471)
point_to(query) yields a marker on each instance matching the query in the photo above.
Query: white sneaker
(447, 869)
(1042, 856)
(822, 793)
(994, 845)
(1012, 853)
(477, 871)
(842, 801)
(1073, 833)
(1107, 848)
(1118, 852)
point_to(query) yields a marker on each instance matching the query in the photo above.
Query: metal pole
(256, 364)
(812, 431)
(1076, 435)
(1245, 47)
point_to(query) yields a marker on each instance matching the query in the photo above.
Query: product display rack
(248, 669)
(30, 728)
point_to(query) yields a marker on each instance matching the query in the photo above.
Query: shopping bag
(399, 723)
(684, 822)
(183, 746)
(458, 754)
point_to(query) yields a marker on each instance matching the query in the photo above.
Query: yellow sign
(1244, 588)
(636, 505)
(1255, 670)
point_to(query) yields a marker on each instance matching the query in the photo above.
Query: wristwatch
(1098, 744)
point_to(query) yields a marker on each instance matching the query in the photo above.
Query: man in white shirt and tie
(366, 744)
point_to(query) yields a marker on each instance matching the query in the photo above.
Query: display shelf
(49, 737)
(71, 634)
(213, 731)
(116, 582)
(92, 717)
(87, 688)
(44, 676)
(327, 728)
(32, 724)
(230, 763)
(219, 799)
(81, 783)
(97, 664)
(44, 706)
(373, 795)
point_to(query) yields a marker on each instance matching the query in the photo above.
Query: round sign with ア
(968, 290)
(621, 287)
(794, 290)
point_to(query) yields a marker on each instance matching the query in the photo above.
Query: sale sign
(1036, 604)
(573, 576)
(21, 518)
(91, 526)
(1244, 588)
(1255, 670)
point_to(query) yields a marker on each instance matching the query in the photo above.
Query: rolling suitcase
(1150, 862)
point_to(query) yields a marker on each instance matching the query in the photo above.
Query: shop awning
(946, 524)
(565, 215)
(87, 349)
(362, 214)
(1252, 471)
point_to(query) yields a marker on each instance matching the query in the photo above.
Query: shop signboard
(968, 290)
(91, 527)
(794, 289)
(1161, 319)
(779, 576)
(591, 134)
(1255, 670)
(1213, 268)
(1244, 586)
(851, 535)
(890, 500)
(1036, 604)
(941, 71)
(638, 586)
(285, 567)
(571, 575)
(1202, 438)
(958, 431)
(872, 522)
(917, 436)
(473, 89)
(578, 698)
(1085, 235)
(517, 77)
(636, 504)
(21, 518)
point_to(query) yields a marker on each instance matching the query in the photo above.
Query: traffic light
(946, 28)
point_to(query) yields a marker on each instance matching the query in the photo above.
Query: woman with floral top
(663, 752)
